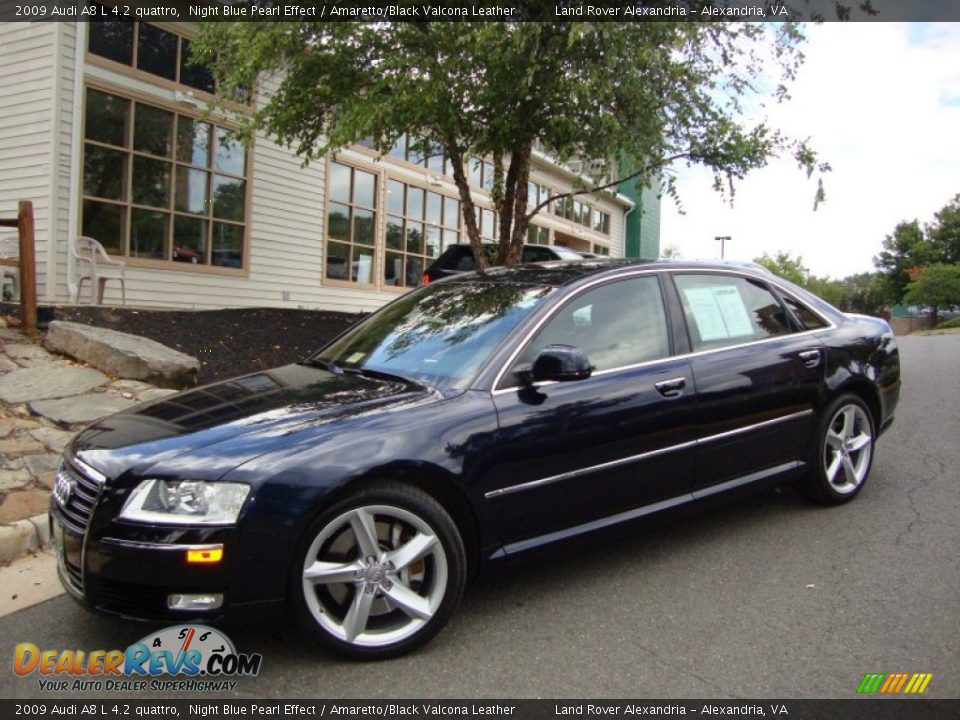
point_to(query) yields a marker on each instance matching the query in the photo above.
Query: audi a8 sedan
(477, 418)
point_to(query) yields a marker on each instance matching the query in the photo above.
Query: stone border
(24, 537)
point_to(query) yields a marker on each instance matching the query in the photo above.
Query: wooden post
(28, 268)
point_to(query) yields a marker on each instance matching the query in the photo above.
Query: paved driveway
(769, 598)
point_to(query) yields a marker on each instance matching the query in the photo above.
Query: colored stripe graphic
(894, 683)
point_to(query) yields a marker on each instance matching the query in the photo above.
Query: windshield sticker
(719, 312)
(355, 358)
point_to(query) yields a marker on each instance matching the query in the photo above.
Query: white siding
(28, 54)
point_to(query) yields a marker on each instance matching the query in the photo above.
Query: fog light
(195, 601)
(205, 555)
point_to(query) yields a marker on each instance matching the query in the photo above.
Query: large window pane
(228, 198)
(192, 190)
(415, 237)
(339, 179)
(395, 233)
(106, 118)
(487, 176)
(475, 172)
(363, 226)
(152, 130)
(433, 242)
(196, 76)
(189, 240)
(414, 202)
(414, 272)
(393, 269)
(338, 256)
(157, 51)
(151, 182)
(395, 202)
(104, 172)
(227, 245)
(399, 149)
(362, 266)
(229, 155)
(193, 141)
(434, 208)
(364, 188)
(105, 223)
(450, 237)
(451, 212)
(149, 233)
(112, 40)
(338, 222)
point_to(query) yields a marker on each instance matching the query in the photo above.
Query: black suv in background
(458, 259)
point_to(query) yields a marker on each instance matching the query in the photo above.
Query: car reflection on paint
(474, 419)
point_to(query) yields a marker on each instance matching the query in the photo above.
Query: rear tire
(843, 455)
(379, 573)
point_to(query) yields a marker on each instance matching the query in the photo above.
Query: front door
(570, 453)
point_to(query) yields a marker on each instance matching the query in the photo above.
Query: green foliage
(937, 287)
(912, 247)
(785, 266)
(949, 324)
(648, 93)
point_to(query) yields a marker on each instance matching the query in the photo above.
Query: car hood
(212, 429)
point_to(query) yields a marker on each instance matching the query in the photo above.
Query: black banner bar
(479, 10)
(203, 709)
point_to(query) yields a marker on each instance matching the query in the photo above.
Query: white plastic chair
(93, 264)
(10, 250)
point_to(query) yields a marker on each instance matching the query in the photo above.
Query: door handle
(671, 388)
(811, 358)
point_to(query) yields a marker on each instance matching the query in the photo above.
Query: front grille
(76, 496)
(74, 576)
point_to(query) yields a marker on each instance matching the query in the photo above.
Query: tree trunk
(467, 207)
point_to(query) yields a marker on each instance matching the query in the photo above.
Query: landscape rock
(128, 356)
(84, 409)
(13, 479)
(155, 394)
(42, 383)
(27, 352)
(38, 465)
(53, 439)
(7, 365)
(24, 504)
(18, 447)
(8, 425)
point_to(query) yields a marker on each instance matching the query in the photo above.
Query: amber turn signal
(206, 555)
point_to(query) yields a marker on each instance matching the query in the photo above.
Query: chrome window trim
(531, 484)
(829, 325)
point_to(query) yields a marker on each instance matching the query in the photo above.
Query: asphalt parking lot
(771, 597)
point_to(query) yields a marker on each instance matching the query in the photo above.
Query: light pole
(724, 239)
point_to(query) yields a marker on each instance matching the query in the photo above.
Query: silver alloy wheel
(847, 449)
(374, 575)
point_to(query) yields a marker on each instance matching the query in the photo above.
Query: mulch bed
(227, 342)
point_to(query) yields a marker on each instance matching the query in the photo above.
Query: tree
(671, 252)
(785, 266)
(937, 286)
(905, 249)
(650, 93)
(944, 232)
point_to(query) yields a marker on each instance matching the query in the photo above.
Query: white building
(100, 129)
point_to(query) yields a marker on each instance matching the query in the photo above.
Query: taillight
(426, 278)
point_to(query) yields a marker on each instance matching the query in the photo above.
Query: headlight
(185, 502)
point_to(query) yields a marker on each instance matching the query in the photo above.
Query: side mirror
(560, 363)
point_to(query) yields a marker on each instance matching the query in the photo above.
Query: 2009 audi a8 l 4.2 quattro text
(473, 419)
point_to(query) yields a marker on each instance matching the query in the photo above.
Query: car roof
(557, 273)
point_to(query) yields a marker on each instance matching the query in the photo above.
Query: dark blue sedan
(474, 419)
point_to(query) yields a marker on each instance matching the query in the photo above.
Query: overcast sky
(881, 104)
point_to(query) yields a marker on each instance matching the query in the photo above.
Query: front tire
(379, 573)
(844, 452)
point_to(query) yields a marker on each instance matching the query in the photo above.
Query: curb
(24, 537)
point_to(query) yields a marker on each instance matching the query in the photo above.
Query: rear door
(576, 452)
(758, 376)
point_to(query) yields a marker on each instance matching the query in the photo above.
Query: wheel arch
(435, 482)
(866, 391)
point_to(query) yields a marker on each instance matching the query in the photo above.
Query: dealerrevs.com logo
(203, 654)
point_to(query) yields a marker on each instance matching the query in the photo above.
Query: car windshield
(565, 254)
(439, 335)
